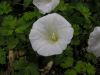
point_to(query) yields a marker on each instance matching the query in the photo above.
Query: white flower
(50, 35)
(94, 41)
(46, 6)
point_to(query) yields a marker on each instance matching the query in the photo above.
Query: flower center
(54, 37)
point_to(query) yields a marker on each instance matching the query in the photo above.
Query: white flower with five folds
(50, 35)
(45, 6)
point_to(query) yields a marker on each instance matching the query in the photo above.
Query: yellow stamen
(54, 37)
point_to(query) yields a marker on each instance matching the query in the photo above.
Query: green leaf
(31, 69)
(12, 42)
(83, 9)
(68, 62)
(8, 25)
(20, 72)
(27, 3)
(91, 70)
(80, 67)
(76, 29)
(20, 64)
(70, 72)
(91, 57)
(5, 8)
(22, 26)
(61, 6)
(59, 59)
(2, 56)
(30, 16)
(2, 40)
(69, 51)
(5, 31)
(9, 22)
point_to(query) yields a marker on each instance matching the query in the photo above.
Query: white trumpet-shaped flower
(94, 42)
(46, 6)
(50, 35)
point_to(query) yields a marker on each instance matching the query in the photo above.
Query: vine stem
(10, 63)
(47, 68)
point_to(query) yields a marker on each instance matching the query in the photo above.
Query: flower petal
(94, 41)
(46, 6)
(49, 50)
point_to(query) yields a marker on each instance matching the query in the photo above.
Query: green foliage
(61, 6)
(90, 69)
(20, 72)
(80, 67)
(25, 68)
(70, 72)
(31, 69)
(69, 51)
(85, 68)
(8, 25)
(27, 2)
(16, 19)
(67, 62)
(25, 21)
(22, 27)
(59, 59)
(91, 57)
(27, 16)
(20, 64)
(2, 42)
(9, 22)
(5, 8)
(83, 10)
(76, 29)
(2, 56)
(12, 42)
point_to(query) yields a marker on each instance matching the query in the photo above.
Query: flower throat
(54, 37)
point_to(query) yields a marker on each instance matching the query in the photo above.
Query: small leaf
(2, 56)
(22, 26)
(76, 29)
(68, 62)
(91, 57)
(20, 64)
(12, 42)
(9, 22)
(27, 2)
(90, 69)
(31, 69)
(83, 9)
(2, 40)
(70, 72)
(5, 8)
(69, 51)
(5, 31)
(20, 72)
(59, 59)
(80, 67)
